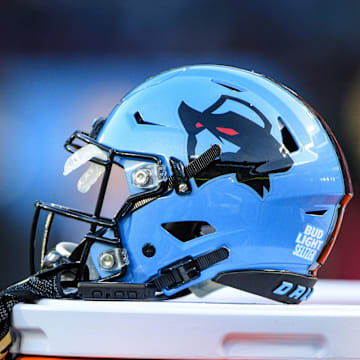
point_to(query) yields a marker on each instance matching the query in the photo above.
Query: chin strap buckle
(187, 269)
(182, 272)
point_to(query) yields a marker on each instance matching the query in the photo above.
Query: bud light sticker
(309, 242)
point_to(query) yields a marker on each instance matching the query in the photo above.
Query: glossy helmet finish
(262, 216)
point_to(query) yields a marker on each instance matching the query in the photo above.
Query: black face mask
(98, 224)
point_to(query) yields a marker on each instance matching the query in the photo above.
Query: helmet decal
(254, 161)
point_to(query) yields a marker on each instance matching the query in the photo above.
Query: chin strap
(172, 276)
(187, 269)
(50, 283)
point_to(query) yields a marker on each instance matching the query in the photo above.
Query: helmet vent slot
(140, 120)
(316, 212)
(288, 139)
(188, 230)
(228, 86)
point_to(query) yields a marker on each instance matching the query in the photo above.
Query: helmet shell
(278, 217)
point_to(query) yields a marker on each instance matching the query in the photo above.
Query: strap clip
(182, 272)
(180, 179)
(187, 269)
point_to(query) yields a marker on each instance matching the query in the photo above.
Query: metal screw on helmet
(148, 250)
(107, 261)
(142, 177)
(183, 187)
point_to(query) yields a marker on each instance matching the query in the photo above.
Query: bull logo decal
(259, 154)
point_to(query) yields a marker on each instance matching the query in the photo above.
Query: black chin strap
(187, 269)
(48, 284)
(170, 277)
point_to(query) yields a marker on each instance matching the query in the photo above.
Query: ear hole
(316, 212)
(188, 230)
(288, 139)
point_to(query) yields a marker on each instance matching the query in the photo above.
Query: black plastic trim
(282, 286)
(115, 291)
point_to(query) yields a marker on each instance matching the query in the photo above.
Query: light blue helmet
(233, 179)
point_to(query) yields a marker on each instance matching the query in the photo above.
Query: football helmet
(233, 179)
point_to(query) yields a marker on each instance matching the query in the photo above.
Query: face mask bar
(95, 220)
(160, 189)
(54, 209)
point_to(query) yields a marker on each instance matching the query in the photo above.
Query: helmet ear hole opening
(188, 230)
